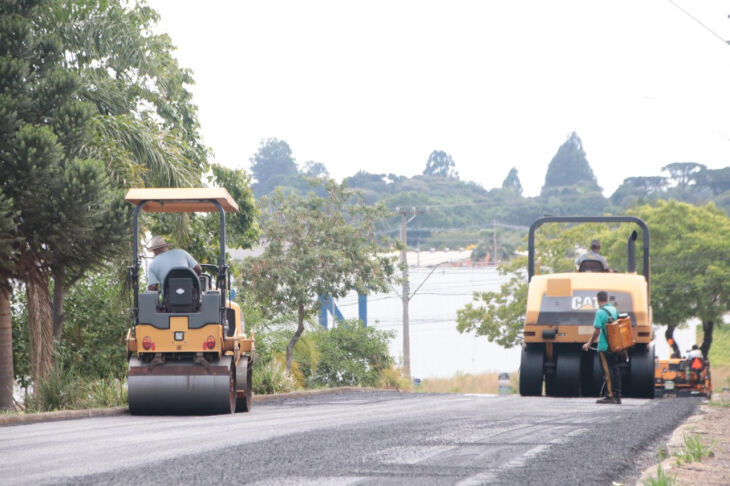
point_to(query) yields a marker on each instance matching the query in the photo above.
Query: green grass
(661, 478)
(694, 449)
(720, 349)
(65, 389)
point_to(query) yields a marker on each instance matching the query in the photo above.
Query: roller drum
(181, 387)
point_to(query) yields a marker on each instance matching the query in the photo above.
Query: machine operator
(595, 255)
(165, 260)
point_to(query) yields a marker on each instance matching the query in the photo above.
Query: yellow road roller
(187, 350)
(559, 319)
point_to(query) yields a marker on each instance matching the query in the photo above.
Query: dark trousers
(609, 364)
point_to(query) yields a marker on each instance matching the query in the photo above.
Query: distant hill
(463, 213)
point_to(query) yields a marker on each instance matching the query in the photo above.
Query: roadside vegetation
(467, 383)
(349, 354)
(695, 449)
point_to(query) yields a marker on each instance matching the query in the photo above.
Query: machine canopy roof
(182, 200)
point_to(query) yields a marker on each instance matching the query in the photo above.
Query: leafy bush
(351, 354)
(96, 325)
(92, 343)
(347, 355)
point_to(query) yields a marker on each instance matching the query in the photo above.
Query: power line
(724, 41)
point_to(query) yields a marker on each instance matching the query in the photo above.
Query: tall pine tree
(569, 167)
(512, 183)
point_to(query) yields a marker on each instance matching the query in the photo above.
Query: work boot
(618, 400)
(609, 400)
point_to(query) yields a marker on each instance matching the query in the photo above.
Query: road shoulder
(712, 424)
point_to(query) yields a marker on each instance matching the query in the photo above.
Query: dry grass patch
(465, 383)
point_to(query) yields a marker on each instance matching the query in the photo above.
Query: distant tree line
(462, 212)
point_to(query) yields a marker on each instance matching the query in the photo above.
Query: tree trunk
(6, 352)
(40, 324)
(707, 327)
(669, 335)
(295, 337)
(59, 295)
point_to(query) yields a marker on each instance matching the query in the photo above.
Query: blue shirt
(592, 255)
(600, 322)
(164, 262)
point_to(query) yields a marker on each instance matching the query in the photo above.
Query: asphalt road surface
(362, 438)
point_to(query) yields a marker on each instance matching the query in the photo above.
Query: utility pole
(494, 241)
(406, 292)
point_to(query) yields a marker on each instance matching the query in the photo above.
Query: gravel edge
(674, 442)
(32, 418)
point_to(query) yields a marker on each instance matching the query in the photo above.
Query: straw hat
(157, 243)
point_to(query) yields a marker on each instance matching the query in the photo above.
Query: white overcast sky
(377, 85)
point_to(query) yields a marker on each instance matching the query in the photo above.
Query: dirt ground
(712, 424)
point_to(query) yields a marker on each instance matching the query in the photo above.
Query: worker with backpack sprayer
(605, 314)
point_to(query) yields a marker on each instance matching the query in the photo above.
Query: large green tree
(315, 246)
(639, 189)
(690, 270)
(569, 167)
(91, 101)
(273, 165)
(512, 183)
(441, 164)
(684, 174)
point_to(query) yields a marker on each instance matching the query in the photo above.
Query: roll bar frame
(591, 219)
(222, 280)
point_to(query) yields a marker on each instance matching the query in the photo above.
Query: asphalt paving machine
(682, 377)
(559, 319)
(187, 350)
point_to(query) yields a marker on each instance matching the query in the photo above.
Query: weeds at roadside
(395, 378)
(64, 389)
(271, 377)
(694, 449)
(661, 478)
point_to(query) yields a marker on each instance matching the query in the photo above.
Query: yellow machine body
(564, 304)
(193, 340)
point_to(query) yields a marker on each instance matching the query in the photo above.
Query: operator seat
(591, 266)
(181, 290)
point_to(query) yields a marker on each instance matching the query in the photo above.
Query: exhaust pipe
(632, 252)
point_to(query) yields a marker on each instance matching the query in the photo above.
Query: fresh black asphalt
(376, 438)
